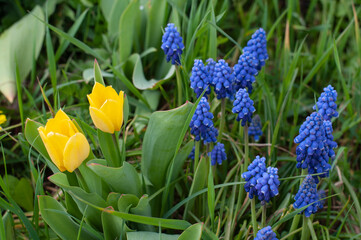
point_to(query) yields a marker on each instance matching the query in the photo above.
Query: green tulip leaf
(109, 149)
(126, 201)
(112, 199)
(8, 232)
(160, 142)
(127, 25)
(139, 79)
(194, 232)
(56, 216)
(24, 194)
(93, 216)
(21, 45)
(150, 236)
(112, 226)
(155, 23)
(123, 179)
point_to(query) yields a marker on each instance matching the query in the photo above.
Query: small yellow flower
(2, 118)
(106, 108)
(67, 147)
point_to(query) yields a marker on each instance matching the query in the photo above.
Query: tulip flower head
(66, 146)
(2, 118)
(106, 108)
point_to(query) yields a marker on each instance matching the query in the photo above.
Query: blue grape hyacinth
(312, 151)
(267, 185)
(191, 155)
(222, 80)
(210, 68)
(202, 125)
(326, 103)
(307, 194)
(258, 46)
(266, 234)
(200, 78)
(218, 154)
(243, 106)
(255, 171)
(329, 142)
(245, 71)
(172, 44)
(255, 128)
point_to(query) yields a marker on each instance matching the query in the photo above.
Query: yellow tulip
(67, 147)
(106, 108)
(2, 118)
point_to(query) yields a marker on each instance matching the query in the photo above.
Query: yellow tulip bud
(106, 108)
(67, 147)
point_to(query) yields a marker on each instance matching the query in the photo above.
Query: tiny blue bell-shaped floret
(267, 185)
(326, 103)
(172, 44)
(258, 46)
(218, 154)
(329, 142)
(191, 155)
(243, 106)
(307, 194)
(266, 234)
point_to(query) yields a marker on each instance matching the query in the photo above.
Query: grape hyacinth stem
(179, 85)
(223, 119)
(264, 211)
(254, 220)
(196, 154)
(305, 230)
(246, 147)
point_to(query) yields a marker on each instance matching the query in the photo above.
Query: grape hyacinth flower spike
(266, 234)
(222, 80)
(172, 44)
(307, 194)
(218, 154)
(255, 128)
(255, 171)
(326, 103)
(251, 61)
(243, 106)
(312, 151)
(200, 78)
(202, 125)
(210, 68)
(267, 185)
(191, 155)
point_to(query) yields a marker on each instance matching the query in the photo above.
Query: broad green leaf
(112, 226)
(55, 215)
(24, 194)
(151, 236)
(112, 11)
(109, 149)
(93, 216)
(160, 142)
(112, 200)
(20, 44)
(127, 29)
(139, 79)
(194, 232)
(181, 157)
(32, 136)
(8, 224)
(198, 183)
(127, 201)
(152, 96)
(155, 23)
(126, 180)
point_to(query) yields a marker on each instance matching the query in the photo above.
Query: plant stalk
(196, 155)
(119, 160)
(264, 211)
(81, 180)
(223, 119)
(254, 220)
(179, 85)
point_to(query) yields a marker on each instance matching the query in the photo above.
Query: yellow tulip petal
(113, 111)
(101, 121)
(53, 145)
(75, 152)
(61, 115)
(110, 93)
(98, 96)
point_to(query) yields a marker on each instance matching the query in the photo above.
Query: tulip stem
(264, 211)
(118, 162)
(81, 180)
(254, 220)
(223, 119)
(179, 85)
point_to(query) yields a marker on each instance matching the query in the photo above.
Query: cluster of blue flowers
(266, 234)
(251, 61)
(261, 181)
(222, 80)
(243, 106)
(307, 194)
(218, 154)
(202, 125)
(326, 103)
(172, 44)
(200, 79)
(255, 128)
